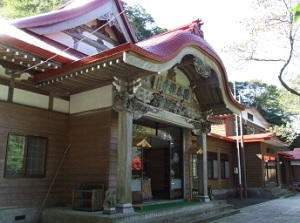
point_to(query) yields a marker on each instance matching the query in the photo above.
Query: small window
(224, 166)
(25, 156)
(212, 165)
(250, 116)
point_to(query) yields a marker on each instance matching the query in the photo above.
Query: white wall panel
(60, 105)
(31, 99)
(3, 92)
(91, 100)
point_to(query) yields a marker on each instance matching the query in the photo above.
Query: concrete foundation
(24, 214)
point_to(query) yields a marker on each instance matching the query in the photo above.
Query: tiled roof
(168, 44)
(295, 153)
(19, 38)
(269, 138)
(70, 10)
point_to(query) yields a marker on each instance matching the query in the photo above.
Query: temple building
(84, 105)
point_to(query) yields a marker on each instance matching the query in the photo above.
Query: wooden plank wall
(254, 165)
(221, 146)
(89, 157)
(31, 121)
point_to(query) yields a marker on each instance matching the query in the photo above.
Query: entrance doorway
(161, 167)
(157, 167)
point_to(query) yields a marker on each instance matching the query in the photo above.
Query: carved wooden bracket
(140, 101)
(202, 68)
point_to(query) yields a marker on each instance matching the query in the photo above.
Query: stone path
(281, 210)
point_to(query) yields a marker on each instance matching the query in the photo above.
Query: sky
(221, 28)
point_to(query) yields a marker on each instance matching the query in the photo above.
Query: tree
(142, 22)
(290, 104)
(264, 97)
(12, 9)
(273, 20)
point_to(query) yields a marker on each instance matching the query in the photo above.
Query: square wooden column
(124, 194)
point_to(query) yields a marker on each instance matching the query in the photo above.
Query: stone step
(184, 214)
(199, 214)
(213, 215)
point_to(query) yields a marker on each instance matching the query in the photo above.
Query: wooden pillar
(202, 165)
(200, 174)
(126, 106)
(287, 169)
(124, 194)
(205, 176)
(51, 101)
(202, 162)
(11, 91)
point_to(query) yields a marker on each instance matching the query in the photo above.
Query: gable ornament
(202, 68)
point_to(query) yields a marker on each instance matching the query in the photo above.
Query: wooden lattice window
(25, 156)
(212, 165)
(224, 166)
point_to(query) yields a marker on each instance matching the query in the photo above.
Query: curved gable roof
(158, 54)
(70, 10)
(72, 14)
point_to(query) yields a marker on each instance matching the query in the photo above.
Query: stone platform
(183, 214)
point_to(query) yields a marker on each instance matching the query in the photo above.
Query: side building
(255, 164)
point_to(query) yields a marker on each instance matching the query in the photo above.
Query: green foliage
(286, 132)
(290, 102)
(142, 22)
(295, 143)
(15, 155)
(264, 97)
(12, 9)
(296, 11)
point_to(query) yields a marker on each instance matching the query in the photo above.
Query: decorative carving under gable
(125, 98)
(202, 123)
(130, 103)
(202, 68)
(206, 127)
(162, 103)
(77, 35)
(171, 74)
(141, 101)
(111, 19)
(74, 30)
(201, 127)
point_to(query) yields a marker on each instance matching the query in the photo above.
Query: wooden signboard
(172, 88)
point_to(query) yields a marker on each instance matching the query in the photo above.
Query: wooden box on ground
(88, 198)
